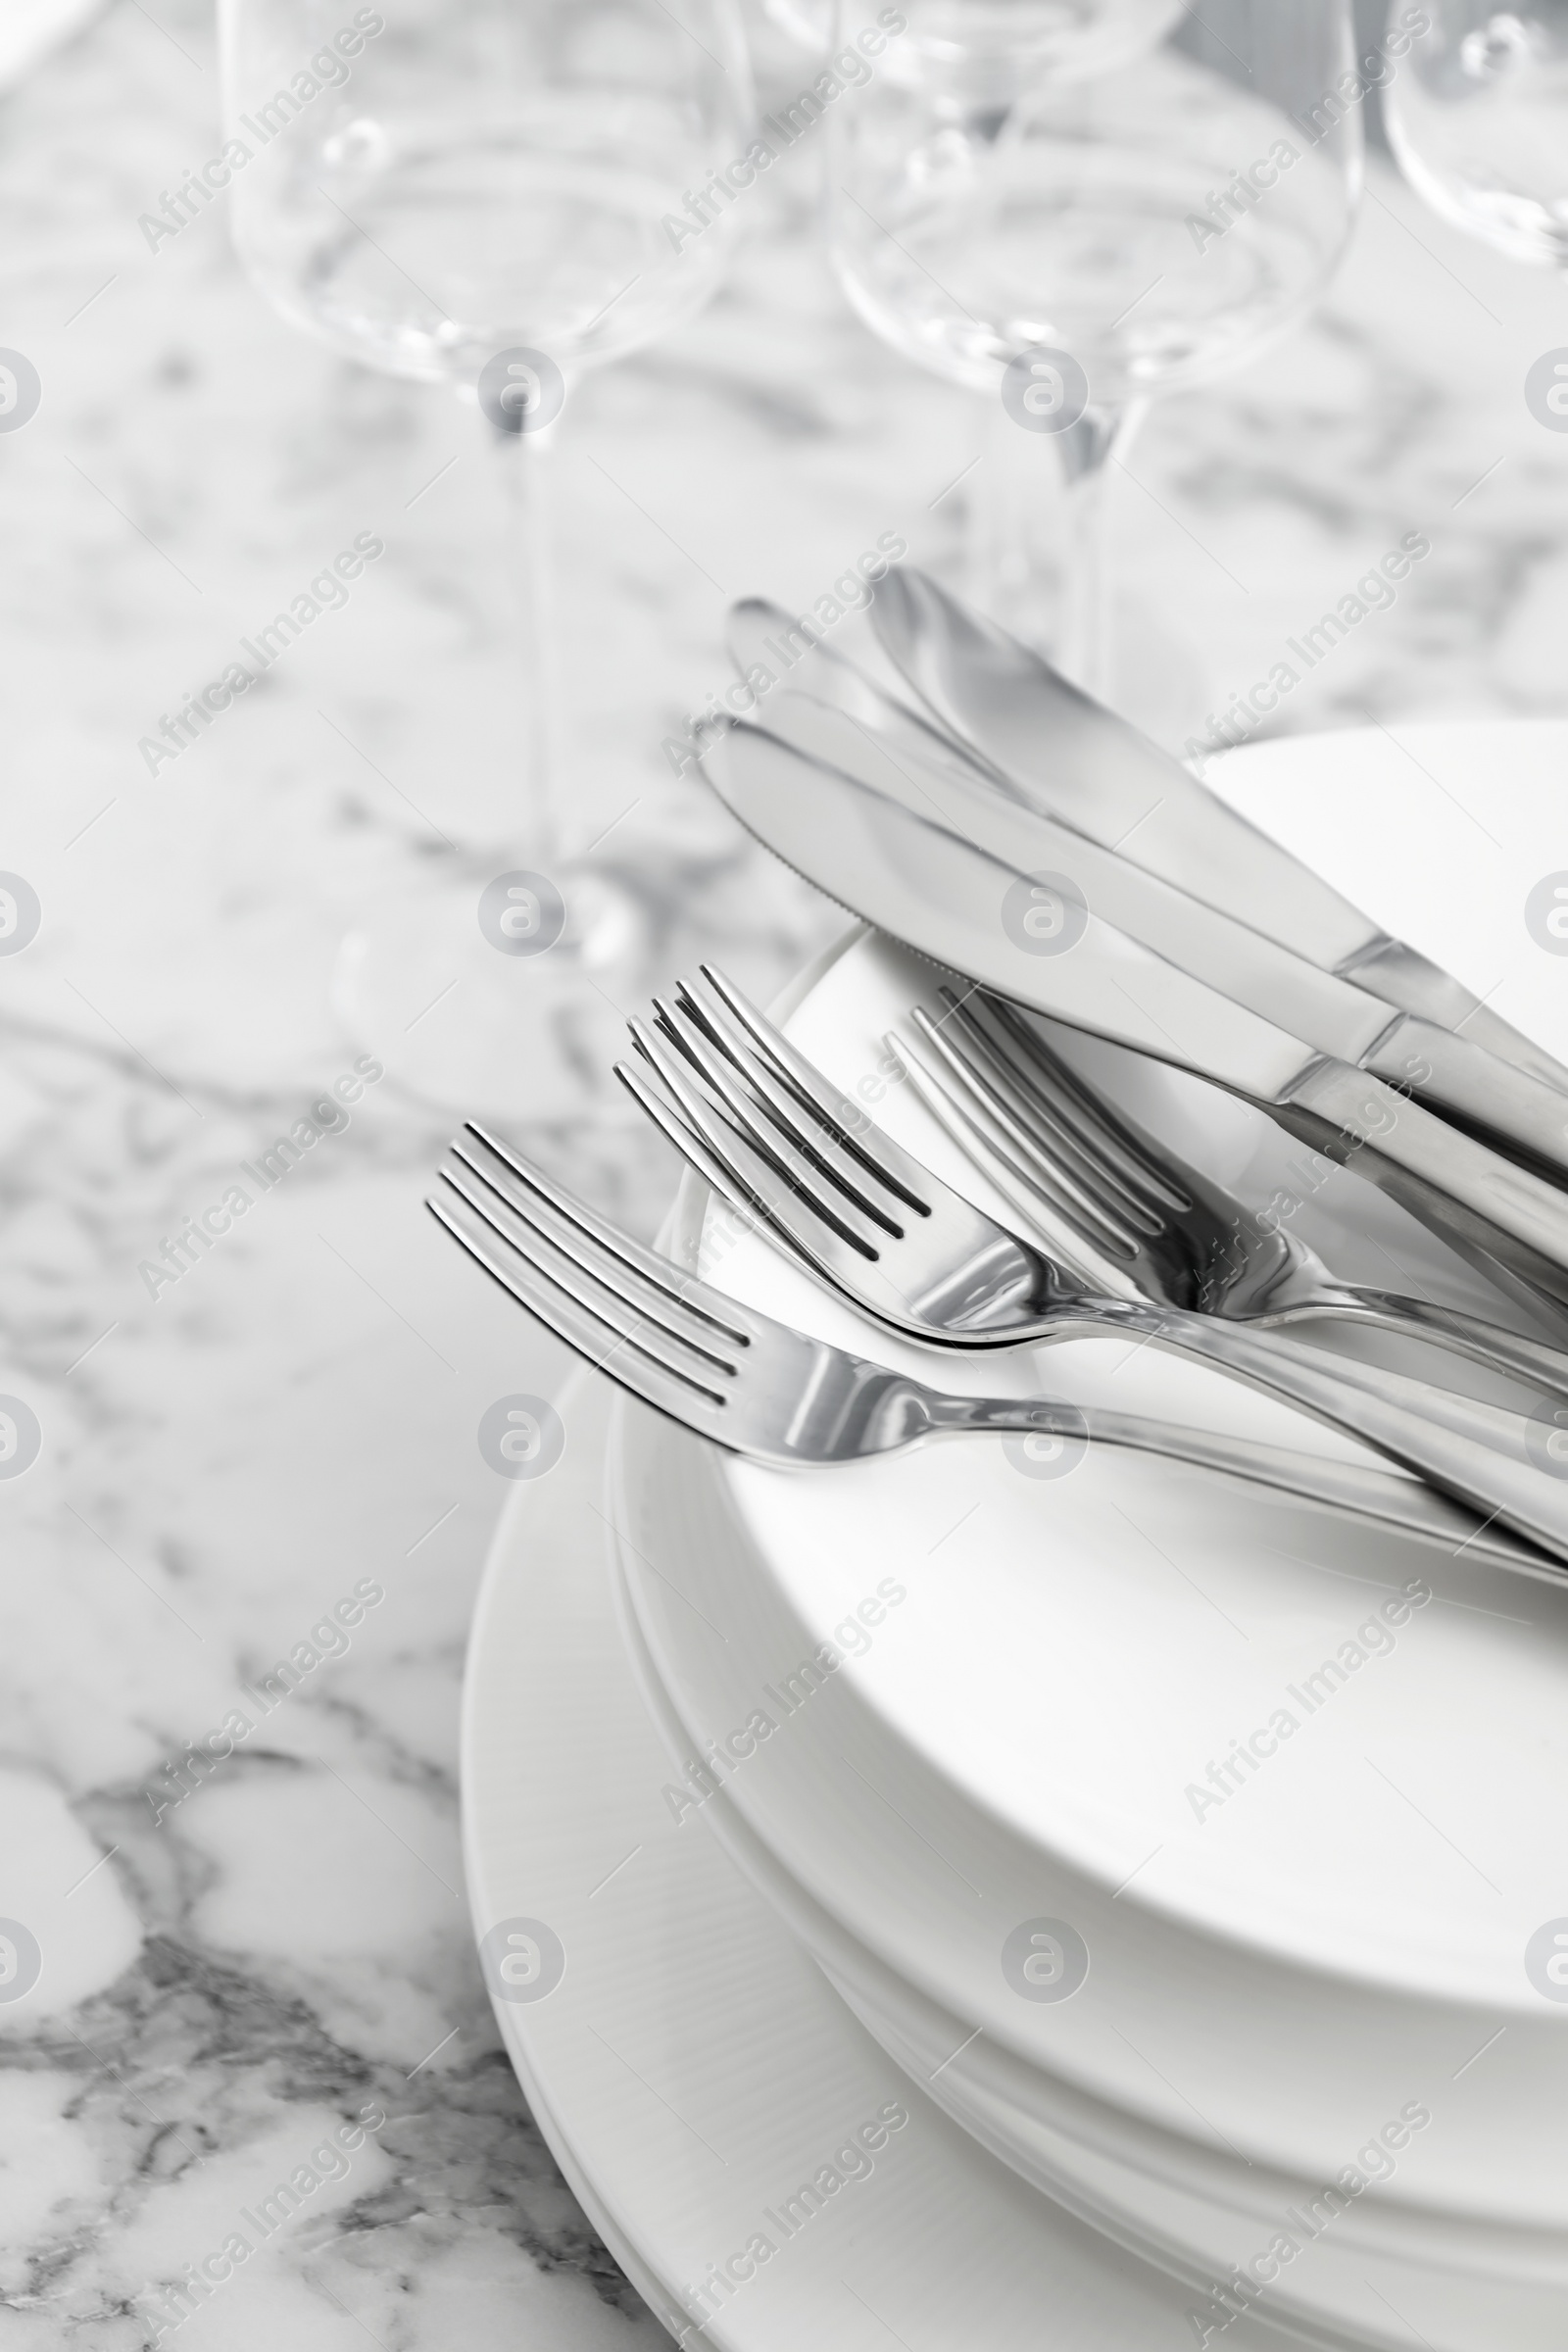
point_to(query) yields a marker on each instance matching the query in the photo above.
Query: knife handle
(1471, 1084)
(1460, 1188)
(1414, 984)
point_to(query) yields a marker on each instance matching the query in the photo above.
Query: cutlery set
(1061, 869)
(945, 863)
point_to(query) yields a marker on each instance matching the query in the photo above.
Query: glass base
(505, 1001)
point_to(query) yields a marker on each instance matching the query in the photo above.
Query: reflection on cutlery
(763, 1125)
(1133, 1215)
(1072, 759)
(772, 1394)
(834, 714)
(1044, 946)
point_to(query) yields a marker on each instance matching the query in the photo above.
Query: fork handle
(1355, 1488)
(1458, 1187)
(1403, 1314)
(1477, 1451)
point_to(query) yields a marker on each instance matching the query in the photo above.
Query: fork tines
(733, 1094)
(747, 1036)
(629, 1312)
(1007, 1099)
(1065, 1106)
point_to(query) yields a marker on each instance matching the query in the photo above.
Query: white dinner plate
(701, 2085)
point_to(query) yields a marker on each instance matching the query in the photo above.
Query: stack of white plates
(1201, 1853)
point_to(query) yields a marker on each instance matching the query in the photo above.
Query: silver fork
(768, 1130)
(769, 1393)
(1138, 1218)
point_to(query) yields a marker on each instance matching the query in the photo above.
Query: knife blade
(1324, 1012)
(868, 737)
(1067, 756)
(952, 901)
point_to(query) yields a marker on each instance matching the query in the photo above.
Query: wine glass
(1074, 244)
(1071, 36)
(495, 195)
(1477, 116)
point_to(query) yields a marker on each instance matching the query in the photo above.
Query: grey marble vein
(233, 1972)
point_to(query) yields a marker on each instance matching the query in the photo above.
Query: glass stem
(527, 460)
(1040, 557)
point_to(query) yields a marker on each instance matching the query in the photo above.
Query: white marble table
(228, 1979)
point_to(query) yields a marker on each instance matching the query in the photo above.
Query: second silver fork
(1136, 1217)
(772, 1133)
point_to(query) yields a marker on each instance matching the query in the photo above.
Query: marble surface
(228, 1979)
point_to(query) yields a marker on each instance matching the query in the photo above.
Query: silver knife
(1068, 757)
(954, 902)
(891, 752)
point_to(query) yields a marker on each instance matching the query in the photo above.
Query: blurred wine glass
(477, 193)
(1477, 115)
(1071, 36)
(1073, 244)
